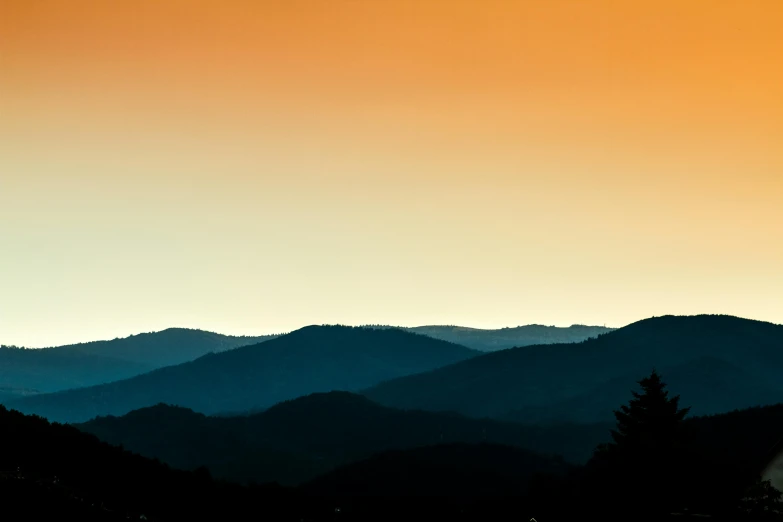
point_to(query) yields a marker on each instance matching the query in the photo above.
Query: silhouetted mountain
(167, 347)
(312, 359)
(297, 440)
(48, 370)
(583, 380)
(51, 471)
(316, 433)
(722, 455)
(503, 338)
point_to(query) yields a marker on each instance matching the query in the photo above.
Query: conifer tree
(644, 465)
(651, 420)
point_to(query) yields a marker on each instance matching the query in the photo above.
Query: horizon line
(367, 325)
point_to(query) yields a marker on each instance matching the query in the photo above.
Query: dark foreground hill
(297, 440)
(313, 359)
(488, 340)
(721, 362)
(30, 371)
(54, 472)
(718, 459)
(440, 470)
(51, 470)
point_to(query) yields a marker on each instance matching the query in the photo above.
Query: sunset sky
(255, 166)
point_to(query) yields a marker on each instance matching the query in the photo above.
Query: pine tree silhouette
(651, 420)
(642, 469)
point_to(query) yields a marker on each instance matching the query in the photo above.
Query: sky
(252, 167)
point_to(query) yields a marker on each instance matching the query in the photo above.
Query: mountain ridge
(489, 340)
(46, 370)
(311, 359)
(298, 439)
(498, 383)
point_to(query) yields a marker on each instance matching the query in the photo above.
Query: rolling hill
(31, 371)
(297, 440)
(583, 381)
(312, 359)
(356, 453)
(487, 340)
(165, 348)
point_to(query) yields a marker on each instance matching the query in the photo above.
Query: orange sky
(255, 166)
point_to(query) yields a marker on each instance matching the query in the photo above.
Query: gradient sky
(255, 166)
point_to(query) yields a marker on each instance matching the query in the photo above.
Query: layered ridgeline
(55, 471)
(52, 471)
(311, 436)
(26, 372)
(487, 340)
(297, 440)
(312, 359)
(719, 362)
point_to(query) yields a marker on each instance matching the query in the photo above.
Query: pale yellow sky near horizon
(254, 167)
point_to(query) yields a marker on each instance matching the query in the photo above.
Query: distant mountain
(503, 338)
(297, 440)
(312, 359)
(73, 366)
(165, 348)
(722, 362)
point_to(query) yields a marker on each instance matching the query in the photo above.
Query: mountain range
(30, 371)
(312, 359)
(487, 340)
(415, 417)
(25, 372)
(342, 443)
(300, 439)
(722, 362)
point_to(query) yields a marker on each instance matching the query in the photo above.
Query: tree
(644, 465)
(651, 421)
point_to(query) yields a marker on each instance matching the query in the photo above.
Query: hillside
(165, 348)
(53, 471)
(441, 470)
(312, 359)
(314, 435)
(297, 440)
(712, 384)
(584, 380)
(46, 370)
(722, 455)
